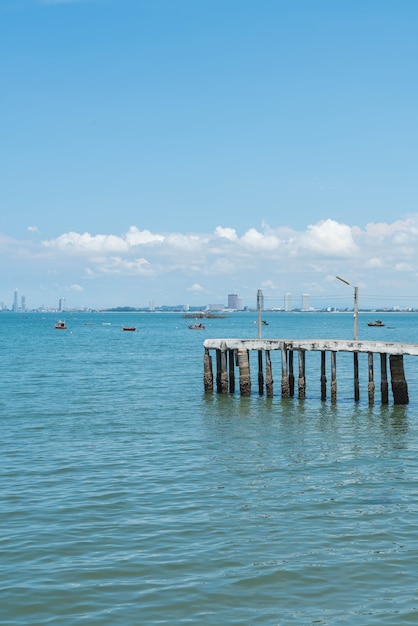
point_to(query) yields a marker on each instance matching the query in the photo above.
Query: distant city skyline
(234, 302)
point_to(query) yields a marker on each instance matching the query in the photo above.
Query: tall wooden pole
(259, 300)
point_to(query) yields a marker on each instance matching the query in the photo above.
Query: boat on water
(197, 326)
(129, 328)
(61, 325)
(375, 323)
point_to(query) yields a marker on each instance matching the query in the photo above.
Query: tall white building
(15, 304)
(305, 302)
(287, 301)
(61, 304)
(235, 302)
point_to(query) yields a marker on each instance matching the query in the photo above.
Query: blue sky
(181, 150)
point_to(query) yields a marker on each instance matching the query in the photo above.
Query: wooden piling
(285, 375)
(291, 374)
(399, 385)
(231, 364)
(221, 372)
(269, 376)
(384, 386)
(356, 378)
(323, 376)
(333, 376)
(244, 373)
(370, 386)
(260, 373)
(207, 372)
(301, 379)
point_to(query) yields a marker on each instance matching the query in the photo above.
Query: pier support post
(301, 379)
(244, 373)
(269, 376)
(323, 376)
(231, 364)
(221, 372)
(260, 373)
(399, 385)
(370, 387)
(356, 379)
(333, 377)
(291, 375)
(384, 386)
(285, 375)
(207, 372)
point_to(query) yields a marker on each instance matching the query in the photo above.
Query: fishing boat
(197, 326)
(60, 325)
(129, 328)
(375, 323)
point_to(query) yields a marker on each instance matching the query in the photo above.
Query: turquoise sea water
(130, 497)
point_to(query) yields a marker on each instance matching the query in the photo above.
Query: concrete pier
(232, 352)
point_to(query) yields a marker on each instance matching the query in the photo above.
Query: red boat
(60, 325)
(130, 328)
(376, 323)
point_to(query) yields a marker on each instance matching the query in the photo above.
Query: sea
(130, 497)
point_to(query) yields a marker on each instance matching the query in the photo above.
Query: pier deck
(235, 352)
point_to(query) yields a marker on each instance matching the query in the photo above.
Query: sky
(177, 151)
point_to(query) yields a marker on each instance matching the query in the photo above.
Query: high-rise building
(235, 302)
(23, 304)
(305, 302)
(61, 304)
(15, 304)
(287, 301)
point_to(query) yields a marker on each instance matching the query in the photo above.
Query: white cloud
(137, 237)
(329, 238)
(277, 259)
(186, 243)
(258, 241)
(404, 267)
(227, 233)
(119, 265)
(75, 243)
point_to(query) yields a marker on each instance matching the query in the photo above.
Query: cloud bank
(196, 263)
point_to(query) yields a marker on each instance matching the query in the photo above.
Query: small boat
(129, 328)
(61, 325)
(198, 326)
(375, 323)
